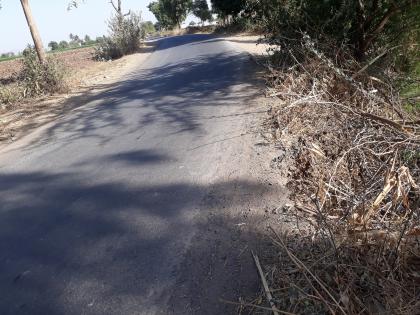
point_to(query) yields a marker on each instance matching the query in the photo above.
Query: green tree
(7, 55)
(99, 39)
(74, 40)
(63, 44)
(148, 27)
(158, 26)
(225, 8)
(87, 40)
(53, 45)
(200, 9)
(157, 8)
(170, 13)
(362, 25)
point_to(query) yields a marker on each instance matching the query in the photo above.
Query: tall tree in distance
(200, 9)
(170, 13)
(34, 31)
(178, 10)
(53, 45)
(156, 7)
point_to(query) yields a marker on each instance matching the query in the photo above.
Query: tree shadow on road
(176, 96)
(181, 40)
(73, 243)
(71, 247)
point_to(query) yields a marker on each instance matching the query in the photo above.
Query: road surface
(124, 205)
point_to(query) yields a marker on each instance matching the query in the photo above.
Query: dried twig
(300, 264)
(353, 151)
(265, 285)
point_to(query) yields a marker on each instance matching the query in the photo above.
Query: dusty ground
(253, 44)
(86, 76)
(9, 69)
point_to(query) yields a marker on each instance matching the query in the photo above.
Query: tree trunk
(117, 7)
(34, 31)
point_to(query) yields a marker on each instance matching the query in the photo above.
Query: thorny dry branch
(353, 159)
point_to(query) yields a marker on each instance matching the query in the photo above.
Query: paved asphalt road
(99, 208)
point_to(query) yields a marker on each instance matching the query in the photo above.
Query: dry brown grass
(352, 156)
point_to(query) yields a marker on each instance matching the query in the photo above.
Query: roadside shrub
(240, 23)
(38, 79)
(10, 94)
(125, 36)
(351, 155)
(366, 27)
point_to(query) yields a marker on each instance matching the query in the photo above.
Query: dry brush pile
(353, 158)
(29, 78)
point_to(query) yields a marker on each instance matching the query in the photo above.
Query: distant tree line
(74, 42)
(123, 20)
(7, 55)
(171, 14)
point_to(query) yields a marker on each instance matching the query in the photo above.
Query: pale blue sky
(56, 23)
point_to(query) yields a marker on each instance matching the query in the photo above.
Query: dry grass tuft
(353, 158)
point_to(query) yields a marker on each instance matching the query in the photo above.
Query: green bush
(125, 36)
(38, 79)
(365, 27)
(63, 45)
(148, 27)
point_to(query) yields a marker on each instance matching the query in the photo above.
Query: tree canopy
(161, 16)
(53, 45)
(200, 9)
(225, 8)
(170, 13)
(63, 44)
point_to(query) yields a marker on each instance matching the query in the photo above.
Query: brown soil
(72, 59)
(9, 69)
(251, 43)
